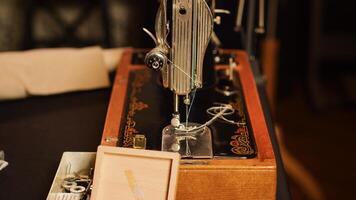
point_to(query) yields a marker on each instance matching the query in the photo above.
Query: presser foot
(189, 144)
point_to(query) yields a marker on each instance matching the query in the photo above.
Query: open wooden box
(217, 178)
(71, 162)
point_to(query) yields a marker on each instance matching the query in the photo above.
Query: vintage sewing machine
(180, 97)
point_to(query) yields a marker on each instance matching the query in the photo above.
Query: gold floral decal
(135, 105)
(240, 142)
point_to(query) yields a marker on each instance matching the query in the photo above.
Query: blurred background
(312, 90)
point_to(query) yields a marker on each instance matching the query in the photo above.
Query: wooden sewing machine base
(243, 166)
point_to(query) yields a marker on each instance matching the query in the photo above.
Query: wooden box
(132, 174)
(71, 162)
(217, 178)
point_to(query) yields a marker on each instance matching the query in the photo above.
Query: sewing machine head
(180, 62)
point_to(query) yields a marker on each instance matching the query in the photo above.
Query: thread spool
(77, 189)
(67, 185)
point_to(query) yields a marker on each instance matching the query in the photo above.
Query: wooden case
(218, 178)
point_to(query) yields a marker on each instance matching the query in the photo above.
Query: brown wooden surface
(213, 178)
(254, 107)
(255, 180)
(117, 100)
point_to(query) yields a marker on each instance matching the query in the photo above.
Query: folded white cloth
(112, 57)
(53, 71)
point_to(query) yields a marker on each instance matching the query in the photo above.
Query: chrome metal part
(261, 18)
(222, 11)
(161, 26)
(157, 58)
(192, 23)
(239, 15)
(176, 103)
(189, 144)
(192, 28)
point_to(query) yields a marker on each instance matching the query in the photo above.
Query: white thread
(176, 66)
(216, 109)
(218, 112)
(225, 108)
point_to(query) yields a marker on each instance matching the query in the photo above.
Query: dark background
(316, 89)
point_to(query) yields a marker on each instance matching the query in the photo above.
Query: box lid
(132, 174)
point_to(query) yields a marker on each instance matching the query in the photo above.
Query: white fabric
(53, 71)
(112, 57)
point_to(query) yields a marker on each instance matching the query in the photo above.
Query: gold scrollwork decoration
(241, 142)
(134, 105)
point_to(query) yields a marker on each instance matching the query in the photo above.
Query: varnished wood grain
(254, 107)
(117, 100)
(227, 183)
